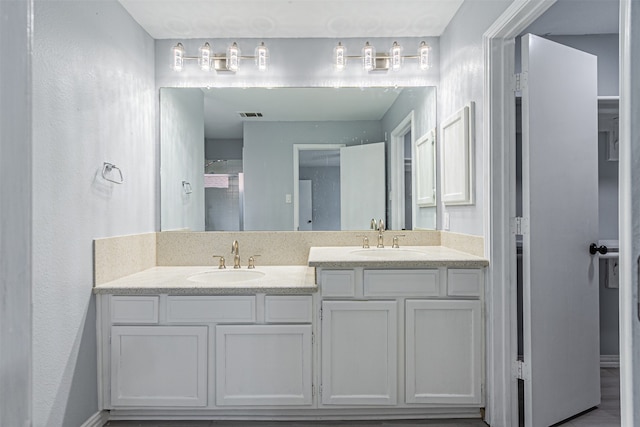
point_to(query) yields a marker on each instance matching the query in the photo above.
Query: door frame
(397, 171)
(296, 173)
(499, 158)
(629, 221)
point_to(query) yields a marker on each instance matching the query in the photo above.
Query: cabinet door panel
(159, 365)
(263, 365)
(359, 353)
(443, 352)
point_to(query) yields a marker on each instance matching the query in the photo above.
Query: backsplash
(117, 257)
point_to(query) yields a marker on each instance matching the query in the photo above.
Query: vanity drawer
(464, 282)
(134, 309)
(338, 283)
(399, 283)
(211, 309)
(288, 309)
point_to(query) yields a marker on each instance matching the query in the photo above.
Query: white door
(359, 353)
(305, 205)
(443, 351)
(362, 185)
(263, 365)
(159, 366)
(560, 210)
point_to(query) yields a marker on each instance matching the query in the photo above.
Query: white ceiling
(167, 19)
(222, 105)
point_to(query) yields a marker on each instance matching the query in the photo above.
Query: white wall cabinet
(159, 366)
(443, 351)
(263, 365)
(359, 352)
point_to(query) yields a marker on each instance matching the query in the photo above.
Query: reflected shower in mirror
(258, 158)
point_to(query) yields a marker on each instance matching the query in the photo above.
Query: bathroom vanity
(356, 333)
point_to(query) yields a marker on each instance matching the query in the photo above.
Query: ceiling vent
(251, 115)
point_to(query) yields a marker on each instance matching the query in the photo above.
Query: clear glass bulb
(178, 57)
(424, 56)
(368, 57)
(262, 57)
(233, 57)
(205, 57)
(395, 56)
(340, 57)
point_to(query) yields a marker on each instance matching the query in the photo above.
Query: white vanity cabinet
(159, 366)
(205, 352)
(263, 365)
(443, 351)
(359, 352)
(402, 337)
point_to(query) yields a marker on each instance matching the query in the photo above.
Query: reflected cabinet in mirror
(297, 158)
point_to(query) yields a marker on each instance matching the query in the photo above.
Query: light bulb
(262, 57)
(205, 57)
(424, 56)
(396, 56)
(368, 57)
(178, 57)
(340, 56)
(233, 57)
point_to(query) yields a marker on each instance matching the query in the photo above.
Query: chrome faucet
(380, 235)
(236, 254)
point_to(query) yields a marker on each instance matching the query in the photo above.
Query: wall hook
(186, 186)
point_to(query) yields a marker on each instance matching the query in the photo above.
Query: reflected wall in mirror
(249, 176)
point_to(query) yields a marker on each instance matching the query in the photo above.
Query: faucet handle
(381, 225)
(221, 265)
(252, 261)
(365, 241)
(374, 226)
(395, 240)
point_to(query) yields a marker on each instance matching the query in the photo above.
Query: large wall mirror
(294, 158)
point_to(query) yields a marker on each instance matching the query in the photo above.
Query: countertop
(289, 279)
(403, 257)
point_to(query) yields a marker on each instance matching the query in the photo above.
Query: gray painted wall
(15, 213)
(268, 163)
(182, 159)
(325, 196)
(423, 103)
(93, 101)
(223, 149)
(462, 79)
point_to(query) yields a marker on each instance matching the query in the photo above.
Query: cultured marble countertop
(289, 279)
(388, 257)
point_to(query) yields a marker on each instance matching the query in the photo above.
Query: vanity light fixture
(223, 62)
(372, 61)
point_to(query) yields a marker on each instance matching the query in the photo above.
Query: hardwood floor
(606, 415)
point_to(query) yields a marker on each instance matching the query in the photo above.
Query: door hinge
(519, 226)
(313, 338)
(320, 313)
(519, 82)
(313, 390)
(320, 390)
(521, 370)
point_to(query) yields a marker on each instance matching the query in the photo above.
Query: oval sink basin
(387, 253)
(222, 277)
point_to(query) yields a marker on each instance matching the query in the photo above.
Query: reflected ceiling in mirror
(249, 136)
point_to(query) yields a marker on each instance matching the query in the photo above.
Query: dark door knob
(593, 248)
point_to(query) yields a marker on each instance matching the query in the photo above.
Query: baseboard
(609, 361)
(97, 420)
